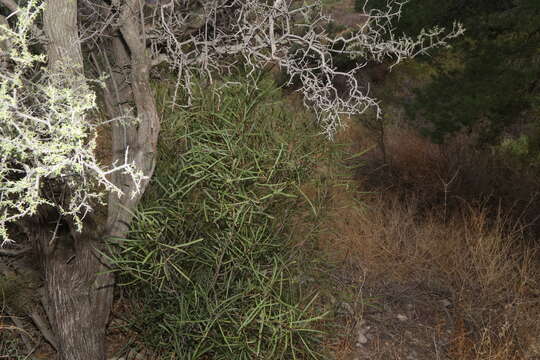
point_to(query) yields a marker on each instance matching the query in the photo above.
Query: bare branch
(292, 36)
(44, 328)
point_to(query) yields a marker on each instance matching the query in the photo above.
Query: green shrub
(521, 151)
(209, 259)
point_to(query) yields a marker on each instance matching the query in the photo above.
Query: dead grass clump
(480, 264)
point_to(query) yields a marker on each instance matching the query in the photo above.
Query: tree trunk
(141, 140)
(78, 285)
(79, 292)
(78, 288)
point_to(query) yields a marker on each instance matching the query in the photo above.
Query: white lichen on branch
(47, 132)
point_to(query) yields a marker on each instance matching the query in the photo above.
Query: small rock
(402, 317)
(362, 339)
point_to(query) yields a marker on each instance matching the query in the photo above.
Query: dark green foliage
(209, 255)
(359, 5)
(493, 81)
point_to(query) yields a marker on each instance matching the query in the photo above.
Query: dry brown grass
(405, 247)
(488, 276)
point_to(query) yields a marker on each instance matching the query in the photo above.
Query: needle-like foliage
(210, 250)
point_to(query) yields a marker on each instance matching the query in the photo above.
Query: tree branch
(292, 36)
(143, 145)
(44, 328)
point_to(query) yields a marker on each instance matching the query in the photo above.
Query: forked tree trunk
(78, 284)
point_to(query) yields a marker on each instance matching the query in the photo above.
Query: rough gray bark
(78, 284)
(60, 24)
(139, 140)
(78, 287)
(78, 291)
(79, 294)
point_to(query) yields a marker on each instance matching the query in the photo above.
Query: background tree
(488, 80)
(55, 53)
